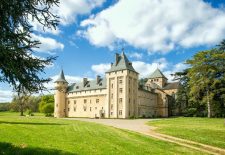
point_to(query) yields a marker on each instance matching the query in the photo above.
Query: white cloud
(69, 9)
(175, 68)
(48, 45)
(135, 55)
(156, 25)
(100, 69)
(145, 69)
(5, 95)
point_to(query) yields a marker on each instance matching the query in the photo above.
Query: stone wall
(89, 103)
(147, 103)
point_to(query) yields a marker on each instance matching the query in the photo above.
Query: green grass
(204, 130)
(40, 135)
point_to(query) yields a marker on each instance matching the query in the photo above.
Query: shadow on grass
(9, 149)
(30, 123)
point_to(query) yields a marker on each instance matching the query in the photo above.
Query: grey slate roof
(61, 77)
(121, 63)
(157, 74)
(173, 85)
(89, 85)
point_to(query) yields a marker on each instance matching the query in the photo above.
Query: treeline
(202, 85)
(30, 104)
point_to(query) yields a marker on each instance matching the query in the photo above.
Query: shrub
(48, 109)
(190, 112)
(29, 112)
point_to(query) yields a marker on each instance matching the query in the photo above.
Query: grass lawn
(41, 135)
(204, 130)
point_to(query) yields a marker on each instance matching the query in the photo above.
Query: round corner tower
(60, 96)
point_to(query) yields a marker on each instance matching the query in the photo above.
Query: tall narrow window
(85, 101)
(121, 90)
(90, 108)
(74, 102)
(85, 107)
(112, 85)
(120, 112)
(120, 81)
(120, 100)
(97, 100)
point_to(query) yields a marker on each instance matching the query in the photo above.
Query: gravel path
(139, 125)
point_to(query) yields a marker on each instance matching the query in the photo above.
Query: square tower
(122, 89)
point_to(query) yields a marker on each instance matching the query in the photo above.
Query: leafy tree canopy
(207, 77)
(18, 65)
(46, 99)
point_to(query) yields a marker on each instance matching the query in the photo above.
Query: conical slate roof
(121, 63)
(157, 74)
(61, 77)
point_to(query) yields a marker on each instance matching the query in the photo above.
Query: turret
(60, 96)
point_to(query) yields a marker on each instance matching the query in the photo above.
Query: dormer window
(77, 87)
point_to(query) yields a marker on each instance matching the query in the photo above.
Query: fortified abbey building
(119, 94)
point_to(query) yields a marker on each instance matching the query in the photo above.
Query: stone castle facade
(120, 94)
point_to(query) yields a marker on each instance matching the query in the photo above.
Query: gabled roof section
(121, 63)
(157, 74)
(61, 77)
(88, 85)
(174, 85)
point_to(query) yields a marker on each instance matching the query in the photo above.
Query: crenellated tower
(60, 96)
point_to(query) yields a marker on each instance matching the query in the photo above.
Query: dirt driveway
(139, 125)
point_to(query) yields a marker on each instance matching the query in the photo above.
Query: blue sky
(161, 33)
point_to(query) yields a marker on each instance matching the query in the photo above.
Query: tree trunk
(208, 104)
(21, 110)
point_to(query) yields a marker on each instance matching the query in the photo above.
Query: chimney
(117, 58)
(98, 78)
(84, 81)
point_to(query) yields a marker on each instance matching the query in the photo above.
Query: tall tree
(18, 66)
(207, 77)
(182, 98)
